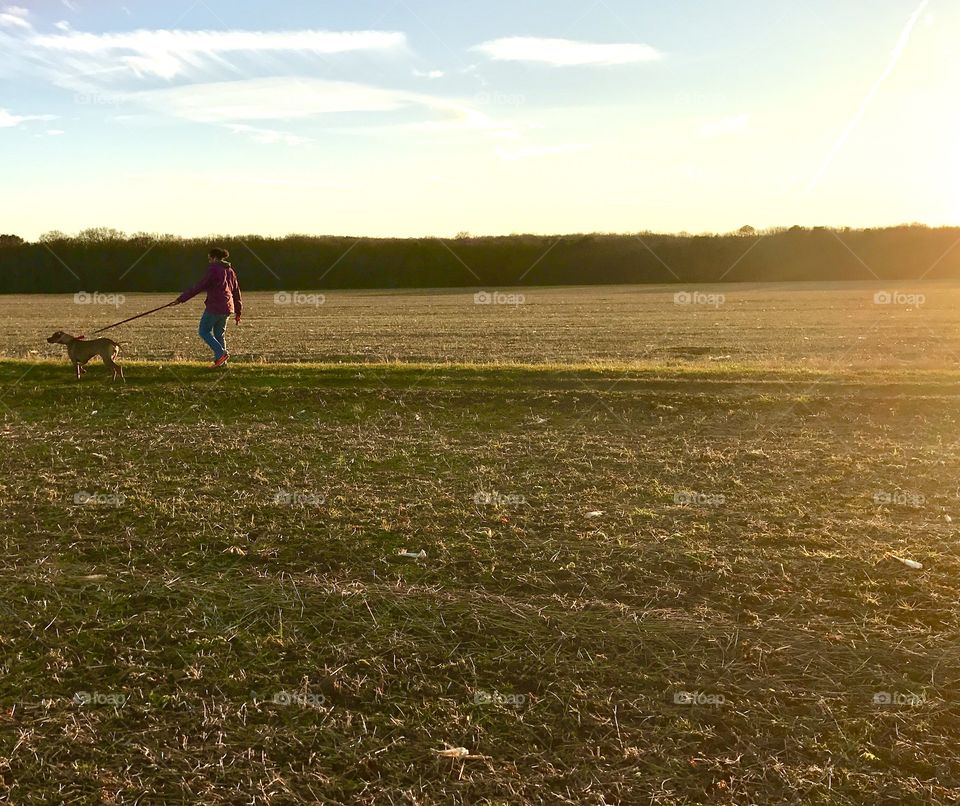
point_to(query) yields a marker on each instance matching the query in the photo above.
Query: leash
(138, 316)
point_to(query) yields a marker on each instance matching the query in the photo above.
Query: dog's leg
(112, 361)
(79, 370)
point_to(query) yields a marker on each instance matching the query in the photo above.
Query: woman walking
(223, 299)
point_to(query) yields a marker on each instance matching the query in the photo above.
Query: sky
(433, 117)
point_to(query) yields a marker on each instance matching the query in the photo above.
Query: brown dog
(80, 351)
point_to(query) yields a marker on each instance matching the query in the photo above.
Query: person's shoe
(221, 360)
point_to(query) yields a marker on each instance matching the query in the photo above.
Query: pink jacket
(223, 290)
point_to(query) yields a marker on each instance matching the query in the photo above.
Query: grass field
(660, 553)
(781, 325)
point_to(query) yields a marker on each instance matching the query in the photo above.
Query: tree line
(107, 260)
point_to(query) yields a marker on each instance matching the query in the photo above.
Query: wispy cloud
(9, 120)
(458, 118)
(268, 136)
(211, 77)
(242, 104)
(15, 17)
(269, 99)
(566, 52)
(858, 116)
(168, 53)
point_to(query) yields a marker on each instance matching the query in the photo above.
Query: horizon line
(745, 231)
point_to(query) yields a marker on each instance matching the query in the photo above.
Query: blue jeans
(212, 329)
